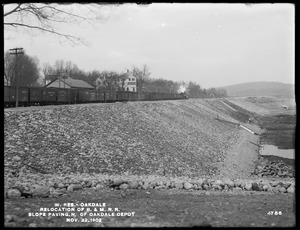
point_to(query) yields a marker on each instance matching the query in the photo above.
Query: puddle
(274, 151)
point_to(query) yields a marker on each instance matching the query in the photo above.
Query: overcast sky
(211, 44)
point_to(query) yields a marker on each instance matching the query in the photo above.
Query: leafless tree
(9, 68)
(142, 75)
(27, 68)
(47, 17)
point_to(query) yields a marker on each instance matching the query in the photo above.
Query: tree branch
(69, 37)
(13, 11)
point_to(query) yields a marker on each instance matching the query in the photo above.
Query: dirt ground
(168, 208)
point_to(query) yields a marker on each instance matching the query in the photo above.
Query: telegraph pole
(16, 51)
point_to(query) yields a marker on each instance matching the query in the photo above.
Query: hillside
(260, 89)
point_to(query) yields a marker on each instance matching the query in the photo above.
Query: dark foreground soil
(154, 208)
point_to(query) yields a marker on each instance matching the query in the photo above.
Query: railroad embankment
(167, 138)
(178, 138)
(140, 149)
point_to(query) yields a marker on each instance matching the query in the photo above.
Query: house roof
(73, 83)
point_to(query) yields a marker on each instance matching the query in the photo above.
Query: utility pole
(16, 51)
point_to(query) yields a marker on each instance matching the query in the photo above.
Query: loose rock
(187, 185)
(124, 186)
(291, 189)
(133, 184)
(13, 193)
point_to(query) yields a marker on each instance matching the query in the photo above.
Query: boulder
(16, 158)
(13, 193)
(117, 181)
(20, 186)
(229, 183)
(237, 189)
(218, 182)
(291, 189)
(133, 184)
(282, 190)
(153, 184)
(205, 187)
(41, 191)
(61, 185)
(124, 186)
(265, 187)
(243, 184)
(99, 186)
(273, 183)
(255, 187)
(187, 185)
(8, 218)
(248, 186)
(74, 187)
(145, 185)
(200, 181)
(178, 185)
(237, 183)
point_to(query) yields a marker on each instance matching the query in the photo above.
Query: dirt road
(168, 208)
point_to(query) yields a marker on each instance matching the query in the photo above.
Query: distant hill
(260, 88)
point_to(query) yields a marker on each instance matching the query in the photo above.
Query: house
(124, 82)
(68, 83)
(130, 83)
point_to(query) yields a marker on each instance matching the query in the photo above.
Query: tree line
(30, 74)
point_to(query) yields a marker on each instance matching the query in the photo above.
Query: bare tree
(9, 69)
(142, 75)
(27, 68)
(47, 17)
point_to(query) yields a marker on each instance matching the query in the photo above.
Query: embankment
(178, 138)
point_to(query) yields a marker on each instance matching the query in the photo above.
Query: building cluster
(127, 83)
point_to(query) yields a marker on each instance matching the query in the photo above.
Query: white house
(125, 82)
(130, 83)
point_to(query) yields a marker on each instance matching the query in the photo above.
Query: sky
(212, 44)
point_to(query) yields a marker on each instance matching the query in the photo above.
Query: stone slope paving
(166, 138)
(53, 151)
